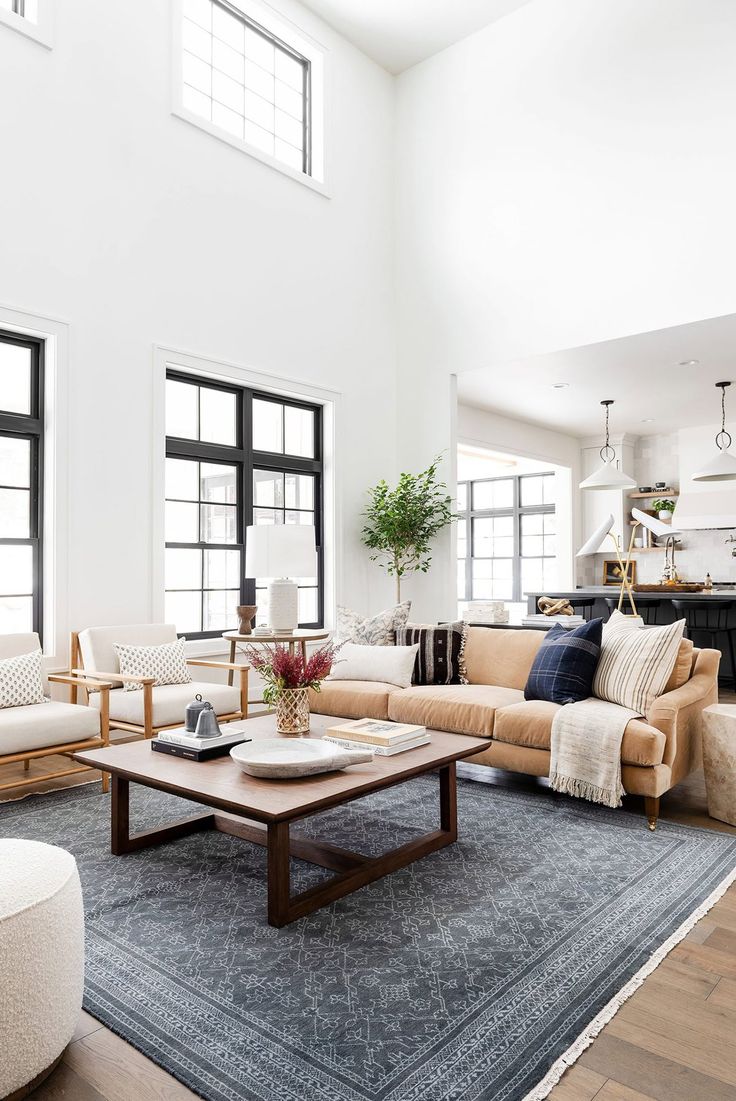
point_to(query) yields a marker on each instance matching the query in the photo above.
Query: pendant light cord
(607, 453)
(723, 435)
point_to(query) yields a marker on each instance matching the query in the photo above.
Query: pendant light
(608, 476)
(723, 467)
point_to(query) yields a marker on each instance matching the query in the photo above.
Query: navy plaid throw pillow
(565, 664)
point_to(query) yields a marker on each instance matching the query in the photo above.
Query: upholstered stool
(41, 961)
(719, 761)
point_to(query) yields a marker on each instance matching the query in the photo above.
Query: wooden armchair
(156, 707)
(53, 728)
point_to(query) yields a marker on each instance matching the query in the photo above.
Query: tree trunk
(398, 583)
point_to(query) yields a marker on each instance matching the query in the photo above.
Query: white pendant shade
(657, 527)
(608, 476)
(593, 545)
(721, 469)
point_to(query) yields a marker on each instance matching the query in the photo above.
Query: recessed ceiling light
(560, 385)
(648, 420)
(688, 363)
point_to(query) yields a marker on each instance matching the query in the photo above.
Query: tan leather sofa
(657, 751)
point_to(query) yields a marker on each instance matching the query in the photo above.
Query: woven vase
(292, 711)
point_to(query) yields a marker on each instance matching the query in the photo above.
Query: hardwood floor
(674, 1040)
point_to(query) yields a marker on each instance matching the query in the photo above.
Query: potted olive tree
(401, 523)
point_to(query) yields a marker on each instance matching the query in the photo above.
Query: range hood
(701, 509)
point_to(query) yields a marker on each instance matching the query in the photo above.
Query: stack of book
(547, 620)
(383, 738)
(180, 743)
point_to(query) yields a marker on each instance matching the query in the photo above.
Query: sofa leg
(651, 809)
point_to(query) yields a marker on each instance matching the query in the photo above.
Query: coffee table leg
(448, 801)
(278, 873)
(121, 839)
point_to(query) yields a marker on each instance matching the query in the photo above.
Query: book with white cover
(375, 731)
(380, 750)
(565, 620)
(179, 737)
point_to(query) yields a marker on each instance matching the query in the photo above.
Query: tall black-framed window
(235, 457)
(506, 537)
(21, 483)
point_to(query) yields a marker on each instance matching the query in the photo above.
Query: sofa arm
(678, 715)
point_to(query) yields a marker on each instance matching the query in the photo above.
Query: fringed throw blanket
(586, 750)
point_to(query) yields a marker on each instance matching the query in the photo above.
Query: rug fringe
(586, 1038)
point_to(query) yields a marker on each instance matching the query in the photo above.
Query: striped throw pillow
(440, 656)
(636, 661)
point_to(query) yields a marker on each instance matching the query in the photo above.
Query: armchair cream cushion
(97, 644)
(169, 702)
(40, 725)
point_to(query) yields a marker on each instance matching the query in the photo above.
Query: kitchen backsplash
(699, 552)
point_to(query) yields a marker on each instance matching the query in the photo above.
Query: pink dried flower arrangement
(281, 670)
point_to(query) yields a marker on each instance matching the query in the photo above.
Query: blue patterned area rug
(468, 975)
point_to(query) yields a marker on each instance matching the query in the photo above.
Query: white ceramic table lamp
(281, 552)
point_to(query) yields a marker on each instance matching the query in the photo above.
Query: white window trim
(41, 32)
(305, 44)
(220, 370)
(55, 335)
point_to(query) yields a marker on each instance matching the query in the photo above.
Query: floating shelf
(651, 496)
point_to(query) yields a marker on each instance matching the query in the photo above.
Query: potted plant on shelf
(401, 523)
(664, 509)
(287, 680)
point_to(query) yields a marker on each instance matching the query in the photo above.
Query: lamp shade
(655, 526)
(593, 545)
(608, 476)
(720, 469)
(280, 550)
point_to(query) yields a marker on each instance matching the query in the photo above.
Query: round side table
(301, 637)
(719, 761)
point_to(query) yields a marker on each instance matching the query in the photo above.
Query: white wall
(562, 174)
(139, 229)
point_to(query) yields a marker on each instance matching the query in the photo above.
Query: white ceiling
(400, 33)
(641, 373)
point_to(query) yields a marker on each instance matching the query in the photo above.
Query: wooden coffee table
(262, 811)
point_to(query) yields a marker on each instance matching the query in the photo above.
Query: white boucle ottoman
(41, 959)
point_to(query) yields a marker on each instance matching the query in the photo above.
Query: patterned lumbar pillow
(565, 664)
(636, 661)
(378, 630)
(167, 663)
(441, 650)
(21, 680)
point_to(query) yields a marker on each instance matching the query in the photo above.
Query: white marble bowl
(286, 758)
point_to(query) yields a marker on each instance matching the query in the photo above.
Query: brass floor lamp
(593, 546)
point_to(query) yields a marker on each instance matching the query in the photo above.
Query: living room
(260, 262)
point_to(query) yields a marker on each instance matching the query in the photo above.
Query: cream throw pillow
(389, 664)
(377, 630)
(21, 681)
(636, 661)
(167, 663)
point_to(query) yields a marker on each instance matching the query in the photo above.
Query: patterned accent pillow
(565, 664)
(379, 630)
(167, 663)
(21, 680)
(441, 650)
(636, 661)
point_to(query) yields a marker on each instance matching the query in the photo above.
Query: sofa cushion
(39, 725)
(169, 702)
(457, 708)
(683, 666)
(384, 664)
(636, 662)
(441, 647)
(530, 724)
(352, 699)
(377, 630)
(495, 656)
(565, 663)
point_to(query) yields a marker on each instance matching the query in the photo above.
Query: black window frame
(306, 66)
(30, 426)
(246, 459)
(516, 511)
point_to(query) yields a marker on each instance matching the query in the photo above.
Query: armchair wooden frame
(146, 729)
(67, 749)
